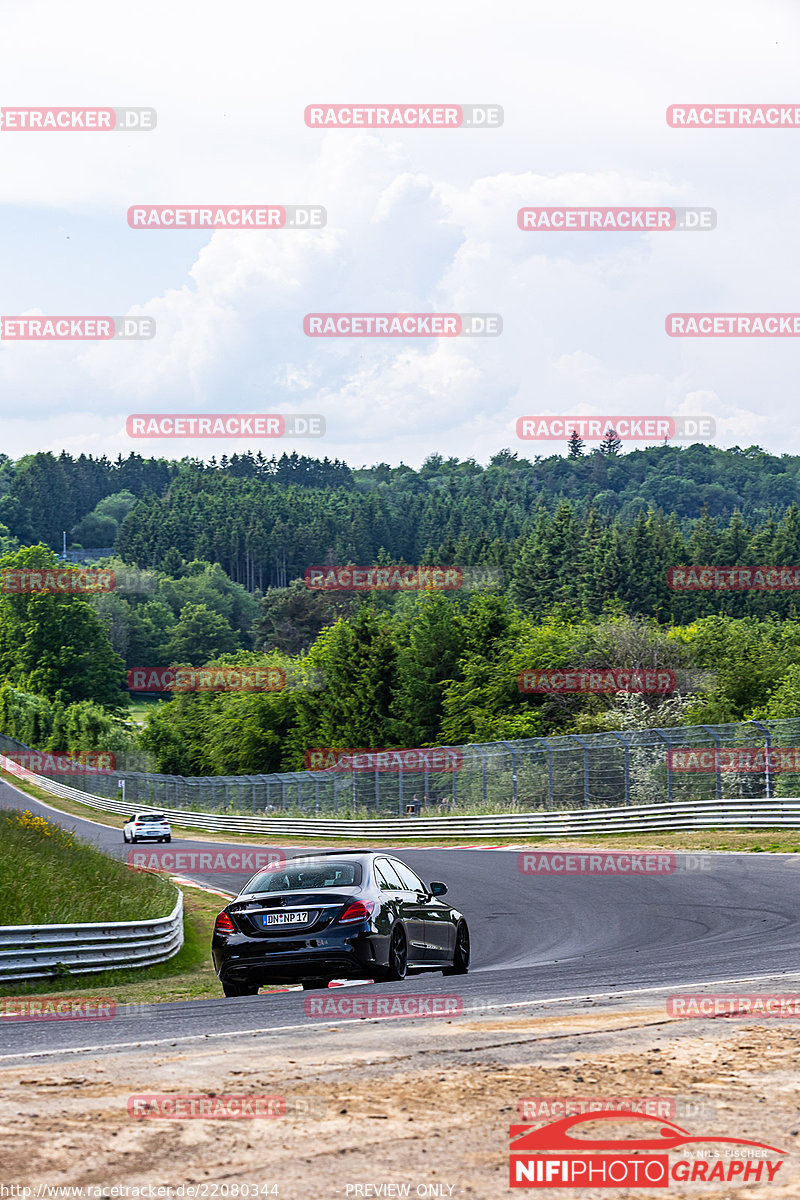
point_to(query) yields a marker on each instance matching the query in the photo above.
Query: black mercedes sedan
(341, 914)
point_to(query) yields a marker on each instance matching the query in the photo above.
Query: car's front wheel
(124, 836)
(398, 955)
(461, 953)
(240, 989)
(312, 985)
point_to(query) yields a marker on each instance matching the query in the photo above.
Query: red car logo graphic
(556, 1136)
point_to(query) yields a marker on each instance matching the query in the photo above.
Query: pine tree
(611, 444)
(575, 445)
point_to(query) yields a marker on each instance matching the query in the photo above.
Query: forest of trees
(436, 671)
(210, 559)
(265, 519)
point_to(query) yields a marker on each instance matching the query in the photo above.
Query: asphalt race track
(718, 917)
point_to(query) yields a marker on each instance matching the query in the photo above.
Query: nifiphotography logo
(553, 1156)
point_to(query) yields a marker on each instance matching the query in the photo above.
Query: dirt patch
(424, 1103)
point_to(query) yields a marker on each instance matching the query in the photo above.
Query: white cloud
(417, 220)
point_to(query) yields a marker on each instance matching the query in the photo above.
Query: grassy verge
(757, 840)
(187, 976)
(47, 875)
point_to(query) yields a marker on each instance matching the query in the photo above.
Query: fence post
(717, 768)
(513, 752)
(627, 746)
(666, 738)
(767, 751)
(582, 743)
(550, 791)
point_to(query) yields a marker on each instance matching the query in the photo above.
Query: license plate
(292, 918)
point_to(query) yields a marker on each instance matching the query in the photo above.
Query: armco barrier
(44, 951)
(772, 813)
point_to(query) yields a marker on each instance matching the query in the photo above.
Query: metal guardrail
(752, 813)
(48, 951)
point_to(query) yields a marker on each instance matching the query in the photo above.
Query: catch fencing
(625, 768)
(759, 813)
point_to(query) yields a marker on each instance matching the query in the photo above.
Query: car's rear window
(321, 874)
(146, 818)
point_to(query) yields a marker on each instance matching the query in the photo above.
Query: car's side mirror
(438, 889)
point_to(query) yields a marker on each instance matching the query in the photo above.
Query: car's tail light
(359, 910)
(224, 924)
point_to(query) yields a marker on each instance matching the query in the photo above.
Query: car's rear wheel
(461, 953)
(311, 985)
(398, 955)
(169, 839)
(240, 989)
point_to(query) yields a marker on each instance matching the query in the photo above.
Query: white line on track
(202, 1037)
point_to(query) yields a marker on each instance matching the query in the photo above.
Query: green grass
(139, 709)
(49, 876)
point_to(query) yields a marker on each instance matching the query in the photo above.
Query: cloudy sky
(418, 220)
